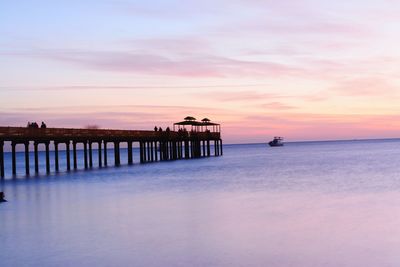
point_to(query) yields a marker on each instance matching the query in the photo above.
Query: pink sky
(305, 70)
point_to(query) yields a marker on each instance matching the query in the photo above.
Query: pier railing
(54, 134)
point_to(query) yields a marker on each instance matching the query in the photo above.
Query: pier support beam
(171, 150)
(152, 150)
(130, 156)
(105, 153)
(148, 152)
(192, 149)
(167, 150)
(141, 151)
(75, 157)
(85, 154)
(90, 155)
(174, 150)
(198, 148)
(116, 154)
(27, 168)
(155, 151)
(161, 145)
(47, 144)
(36, 156)
(187, 152)
(68, 155)
(1, 159)
(208, 148)
(215, 148)
(151, 158)
(57, 166)
(14, 158)
(144, 152)
(162, 150)
(220, 146)
(99, 154)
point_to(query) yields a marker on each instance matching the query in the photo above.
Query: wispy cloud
(183, 45)
(307, 28)
(277, 106)
(204, 66)
(366, 86)
(233, 96)
(126, 88)
(172, 10)
(260, 97)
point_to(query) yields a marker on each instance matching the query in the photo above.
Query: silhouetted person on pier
(33, 125)
(160, 129)
(43, 126)
(155, 129)
(168, 130)
(2, 199)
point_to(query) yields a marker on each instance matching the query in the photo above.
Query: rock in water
(2, 197)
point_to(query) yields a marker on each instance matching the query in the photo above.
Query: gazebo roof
(195, 123)
(187, 123)
(190, 118)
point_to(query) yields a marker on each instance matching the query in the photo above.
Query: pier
(179, 143)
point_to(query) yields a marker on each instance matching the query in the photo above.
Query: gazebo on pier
(205, 125)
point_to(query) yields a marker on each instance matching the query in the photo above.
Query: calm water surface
(305, 204)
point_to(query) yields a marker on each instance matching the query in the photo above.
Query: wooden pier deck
(153, 145)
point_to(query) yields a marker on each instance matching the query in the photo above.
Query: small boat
(278, 141)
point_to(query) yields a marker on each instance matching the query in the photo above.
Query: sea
(305, 204)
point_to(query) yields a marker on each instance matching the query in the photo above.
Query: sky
(302, 69)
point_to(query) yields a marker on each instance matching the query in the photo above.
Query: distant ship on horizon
(278, 141)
